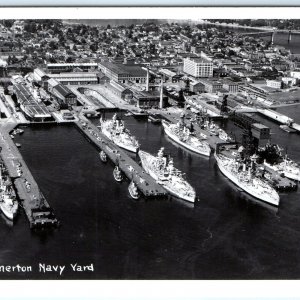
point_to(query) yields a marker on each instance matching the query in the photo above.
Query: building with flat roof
(198, 67)
(68, 67)
(78, 78)
(149, 99)
(123, 73)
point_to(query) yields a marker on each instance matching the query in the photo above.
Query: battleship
(8, 202)
(164, 172)
(114, 129)
(182, 135)
(243, 178)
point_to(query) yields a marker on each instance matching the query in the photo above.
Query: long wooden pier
(133, 171)
(36, 207)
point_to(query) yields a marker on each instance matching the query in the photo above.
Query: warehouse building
(120, 90)
(123, 73)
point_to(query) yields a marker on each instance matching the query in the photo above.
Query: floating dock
(37, 209)
(145, 183)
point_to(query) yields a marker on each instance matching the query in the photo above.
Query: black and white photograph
(149, 148)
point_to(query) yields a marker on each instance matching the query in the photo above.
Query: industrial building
(79, 78)
(34, 110)
(64, 95)
(123, 73)
(69, 67)
(120, 90)
(198, 67)
(149, 99)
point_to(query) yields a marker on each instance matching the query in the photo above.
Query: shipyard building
(123, 73)
(198, 67)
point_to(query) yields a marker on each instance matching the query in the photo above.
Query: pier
(280, 118)
(133, 171)
(36, 207)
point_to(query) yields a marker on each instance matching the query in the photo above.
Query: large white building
(198, 67)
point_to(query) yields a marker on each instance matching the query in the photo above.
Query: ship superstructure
(244, 177)
(164, 172)
(115, 130)
(8, 202)
(182, 135)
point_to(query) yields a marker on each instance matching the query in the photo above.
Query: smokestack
(161, 94)
(147, 81)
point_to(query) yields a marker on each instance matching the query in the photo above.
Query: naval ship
(8, 202)
(114, 129)
(164, 172)
(243, 178)
(287, 167)
(182, 135)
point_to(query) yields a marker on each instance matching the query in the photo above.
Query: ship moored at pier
(182, 135)
(163, 171)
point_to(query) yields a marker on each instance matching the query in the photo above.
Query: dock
(133, 171)
(36, 207)
(280, 118)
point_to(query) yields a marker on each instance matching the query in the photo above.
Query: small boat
(154, 120)
(18, 145)
(103, 156)
(133, 190)
(287, 128)
(117, 174)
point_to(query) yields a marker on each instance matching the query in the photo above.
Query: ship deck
(212, 140)
(37, 209)
(133, 171)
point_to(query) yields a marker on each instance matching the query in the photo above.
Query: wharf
(145, 183)
(213, 140)
(37, 209)
(276, 116)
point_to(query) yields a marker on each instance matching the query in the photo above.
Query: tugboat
(133, 191)
(114, 130)
(103, 156)
(164, 172)
(117, 174)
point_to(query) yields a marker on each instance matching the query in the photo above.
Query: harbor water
(226, 235)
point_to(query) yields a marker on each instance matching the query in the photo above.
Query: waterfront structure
(198, 67)
(34, 110)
